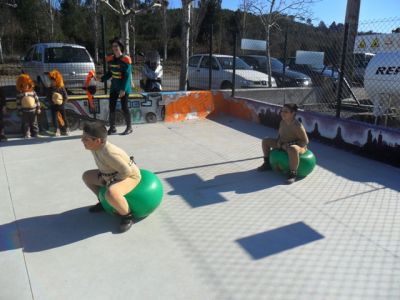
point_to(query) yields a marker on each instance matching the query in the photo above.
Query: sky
(335, 10)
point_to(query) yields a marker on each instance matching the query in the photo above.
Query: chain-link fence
(321, 68)
(305, 65)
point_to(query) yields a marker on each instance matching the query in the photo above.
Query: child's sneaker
(66, 132)
(96, 208)
(126, 222)
(265, 166)
(58, 133)
(292, 177)
(127, 131)
(27, 136)
(112, 130)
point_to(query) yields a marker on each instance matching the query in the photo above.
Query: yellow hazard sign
(362, 44)
(375, 43)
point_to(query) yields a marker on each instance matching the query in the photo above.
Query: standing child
(2, 112)
(57, 97)
(28, 105)
(120, 70)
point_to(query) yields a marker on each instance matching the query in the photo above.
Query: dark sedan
(284, 77)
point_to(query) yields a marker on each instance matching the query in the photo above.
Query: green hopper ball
(143, 199)
(279, 161)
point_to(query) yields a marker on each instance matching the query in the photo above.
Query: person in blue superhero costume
(120, 72)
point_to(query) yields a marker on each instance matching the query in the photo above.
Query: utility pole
(352, 17)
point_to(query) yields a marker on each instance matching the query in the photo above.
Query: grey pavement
(223, 230)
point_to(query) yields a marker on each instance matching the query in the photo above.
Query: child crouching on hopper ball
(116, 170)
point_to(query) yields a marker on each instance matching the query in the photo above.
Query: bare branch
(276, 8)
(154, 4)
(112, 7)
(122, 5)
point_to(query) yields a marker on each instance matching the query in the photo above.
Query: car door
(193, 77)
(27, 63)
(204, 73)
(37, 64)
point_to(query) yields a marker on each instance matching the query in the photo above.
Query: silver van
(73, 61)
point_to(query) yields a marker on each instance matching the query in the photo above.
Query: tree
(185, 38)
(333, 26)
(5, 18)
(124, 11)
(245, 7)
(198, 12)
(74, 27)
(212, 13)
(322, 25)
(165, 30)
(31, 17)
(51, 10)
(270, 11)
(95, 11)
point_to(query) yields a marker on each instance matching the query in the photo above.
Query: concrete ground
(223, 231)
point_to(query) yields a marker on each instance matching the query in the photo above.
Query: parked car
(73, 61)
(222, 69)
(318, 75)
(284, 77)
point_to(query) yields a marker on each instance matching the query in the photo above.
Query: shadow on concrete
(279, 240)
(35, 141)
(46, 232)
(198, 193)
(209, 165)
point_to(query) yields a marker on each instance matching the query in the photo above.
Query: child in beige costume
(292, 138)
(116, 170)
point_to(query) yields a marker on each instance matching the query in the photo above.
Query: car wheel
(151, 117)
(279, 82)
(226, 85)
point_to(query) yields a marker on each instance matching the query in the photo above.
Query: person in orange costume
(28, 106)
(57, 97)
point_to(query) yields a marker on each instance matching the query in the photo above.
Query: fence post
(342, 71)
(210, 58)
(285, 54)
(103, 38)
(234, 63)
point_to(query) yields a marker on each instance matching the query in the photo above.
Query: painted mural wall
(366, 139)
(373, 141)
(144, 108)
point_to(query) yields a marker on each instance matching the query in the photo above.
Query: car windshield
(276, 64)
(66, 55)
(227, 63)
